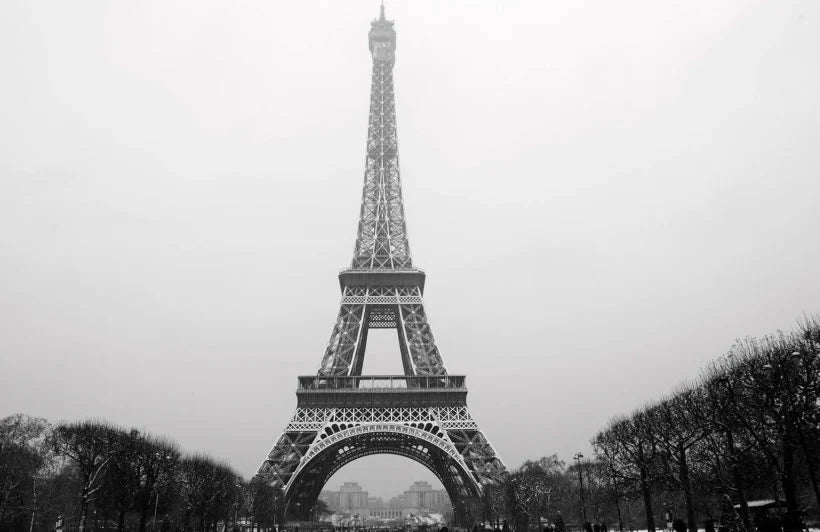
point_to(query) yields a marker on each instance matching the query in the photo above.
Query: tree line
(91, 475)
(747, 429)
(548, 491)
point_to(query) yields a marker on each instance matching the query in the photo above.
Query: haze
(604, 195)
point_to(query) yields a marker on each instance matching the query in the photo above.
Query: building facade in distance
(422, 495)
(419, 499)
(350, 498)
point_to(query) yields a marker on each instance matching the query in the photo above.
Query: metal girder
(363, 308)
(424, 418)
(382, 236)
(446, 440)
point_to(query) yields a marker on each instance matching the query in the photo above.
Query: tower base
(381, 415)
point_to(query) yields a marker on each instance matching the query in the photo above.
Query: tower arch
(427, 447)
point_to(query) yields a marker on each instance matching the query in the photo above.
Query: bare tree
(90, 445)
(613, 470)
(267, 502)
(806, 367)
(675, 429)
(630, 449)
(121, 480)
(492, 500)
(725, 438)
(209, 489)
(766, 406)
(155, 462)
(23, 453)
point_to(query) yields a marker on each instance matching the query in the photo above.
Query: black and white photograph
(212, 318)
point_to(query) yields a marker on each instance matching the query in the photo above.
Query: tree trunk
(788, 482)
(647, 494)
(121, 520)
(812, 467)
(4, 496)
(787, 477)
(737, 478)
(83, 509)
(618, 509)
(687, 489)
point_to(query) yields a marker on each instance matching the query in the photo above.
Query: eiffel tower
(342, 415)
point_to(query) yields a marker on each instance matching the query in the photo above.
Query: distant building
(421, 495)
(399, 501)
(418, 500)
(350, 497)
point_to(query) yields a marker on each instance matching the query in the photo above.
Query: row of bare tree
(748, 428)
(93, 475)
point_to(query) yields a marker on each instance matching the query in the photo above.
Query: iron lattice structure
(342, 415)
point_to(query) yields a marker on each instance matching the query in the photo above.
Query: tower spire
(381, 241)
(381, 17)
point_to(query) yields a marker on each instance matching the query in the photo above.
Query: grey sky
(604, 196)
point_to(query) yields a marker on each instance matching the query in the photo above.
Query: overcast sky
(604, 195)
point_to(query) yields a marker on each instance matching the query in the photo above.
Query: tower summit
(342, 415)
(382, 39)
(381, 242)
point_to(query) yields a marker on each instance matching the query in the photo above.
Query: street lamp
(577, 458)
(156, 505)
(236, 504)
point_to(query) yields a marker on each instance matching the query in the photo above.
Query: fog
(604, 196)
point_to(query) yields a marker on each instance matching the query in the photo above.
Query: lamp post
(577, 458)
(156, 504)
(33, 502)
